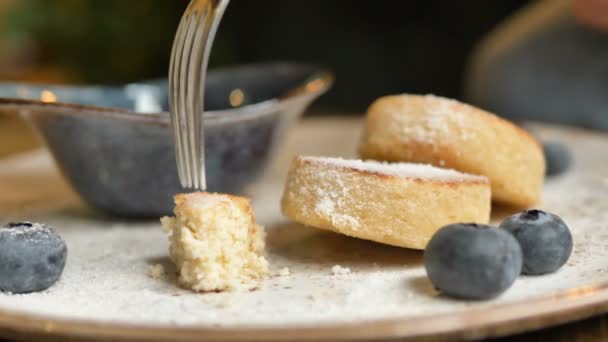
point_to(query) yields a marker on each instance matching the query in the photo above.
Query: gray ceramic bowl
(121, 160)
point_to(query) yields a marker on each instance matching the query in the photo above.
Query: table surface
(14, 138)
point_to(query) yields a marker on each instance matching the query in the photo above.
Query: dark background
(374, 48)
(388, 47)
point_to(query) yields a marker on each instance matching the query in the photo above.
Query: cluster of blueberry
(473, 261)
(32, 257)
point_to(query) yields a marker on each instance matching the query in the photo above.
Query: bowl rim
(319, 81)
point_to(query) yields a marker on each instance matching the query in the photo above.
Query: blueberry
(32, 257)
(557, 157)
(472, 261)
(545, 240)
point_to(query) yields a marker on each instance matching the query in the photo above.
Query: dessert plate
(108, 292)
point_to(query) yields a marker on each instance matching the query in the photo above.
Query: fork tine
(179, 107)
(173, 102)
(196, 92)
(188, 124)
(193, 82)
(218, 7)
(204, 41)
(179, 102)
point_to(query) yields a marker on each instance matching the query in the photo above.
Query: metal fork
(187, 71)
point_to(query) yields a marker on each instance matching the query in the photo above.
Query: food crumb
(284, 272)
(339, 270)
(223, 304)
(156, 271)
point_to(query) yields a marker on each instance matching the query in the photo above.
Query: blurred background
(522, 59)
(392, 46)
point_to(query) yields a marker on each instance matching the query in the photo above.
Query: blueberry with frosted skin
(472, 261)
(32, 257)
(545, 240)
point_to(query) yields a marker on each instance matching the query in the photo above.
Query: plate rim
(480, 322)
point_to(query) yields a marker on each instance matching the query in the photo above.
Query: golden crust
(448, 133)
(379, 206)
(185, 200)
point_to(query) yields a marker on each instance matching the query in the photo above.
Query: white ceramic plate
(105, 291)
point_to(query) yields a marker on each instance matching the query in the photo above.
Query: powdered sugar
(33, 232)
(339, 270)
(105, 278)
(439, 115)
(284, 272)
(326, 206)
(26, 228)
(208, 201)
(403, 170)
